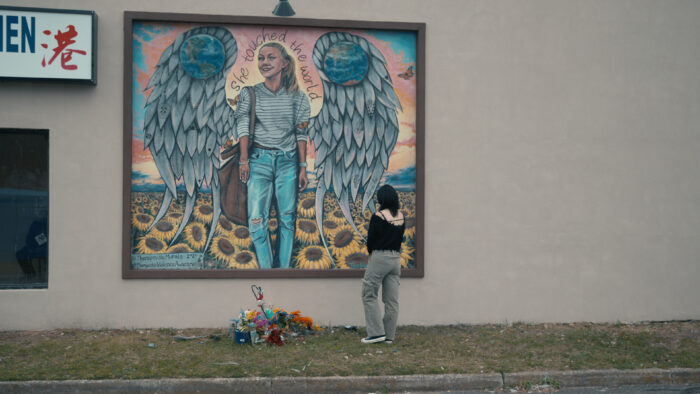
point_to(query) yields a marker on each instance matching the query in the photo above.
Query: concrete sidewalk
(351, 384)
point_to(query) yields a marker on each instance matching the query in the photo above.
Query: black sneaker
(374, 339)
(389, 341)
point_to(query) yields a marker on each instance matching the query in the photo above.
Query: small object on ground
(276, 337)
(215, 337)
(242, 337)
(152, 345)
(184, 338)
(374, 339)
(227, 363)
(351, 328)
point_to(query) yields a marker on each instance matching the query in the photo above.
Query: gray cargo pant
(383, 270)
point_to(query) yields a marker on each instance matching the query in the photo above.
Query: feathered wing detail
(357, 127)
(187, 118)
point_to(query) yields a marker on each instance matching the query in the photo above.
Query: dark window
(24, 208)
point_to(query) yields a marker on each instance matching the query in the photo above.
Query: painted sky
(151, 39)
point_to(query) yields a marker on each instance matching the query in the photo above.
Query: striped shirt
(281, 118)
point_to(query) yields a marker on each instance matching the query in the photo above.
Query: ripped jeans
(272, 171)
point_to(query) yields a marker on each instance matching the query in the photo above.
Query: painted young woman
(276, 163)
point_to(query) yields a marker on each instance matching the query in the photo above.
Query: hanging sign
(48, 44)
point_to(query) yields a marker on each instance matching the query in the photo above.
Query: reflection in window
(24, 208)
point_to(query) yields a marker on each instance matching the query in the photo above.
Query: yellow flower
(223, 250)
(204, 213)
(313, 257)
(363, 228)
(196, 235)
(307, 232)
(406, 256)
(344, 243)
(337, 216)
(174, 217)
(141, 221)
(180, 248)
(164, 230)
(272, 224)
(176, 207)
(306, 207)
(244, 260)
(224, 227)
(150, 245)
(331, 228)
(241, 237)
(152, 207)
(410, 228)
(354, 260)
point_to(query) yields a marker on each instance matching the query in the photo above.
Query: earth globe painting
(346, 63)
(202, 56)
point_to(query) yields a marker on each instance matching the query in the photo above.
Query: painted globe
(202, 56)
(345, 63)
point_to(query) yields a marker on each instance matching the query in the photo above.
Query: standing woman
(277, 161)
(384, 245)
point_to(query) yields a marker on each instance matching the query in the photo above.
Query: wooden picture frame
(180, 68)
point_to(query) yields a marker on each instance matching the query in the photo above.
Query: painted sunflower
(313, 258)
(223, 250)
(407, 259)
(141, 221)
(357, 260)
(364, 229)
(410, 229)
(241, 237)
(224, 227)
(196, 235)
(306, 207)
(337, 216)
(180, 248)
(176, 207)
(152, 207)
(150, 245)
(307, 232)
(174, 217)
(331, 228)
(344, 243)
(204, 213)
(272, 225)
(204, 198)
(244, 260)
(164, 230)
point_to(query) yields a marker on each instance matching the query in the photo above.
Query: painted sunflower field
(232, 246)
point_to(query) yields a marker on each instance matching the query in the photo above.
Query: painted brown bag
(234, 193)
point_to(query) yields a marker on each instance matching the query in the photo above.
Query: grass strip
(155, 353)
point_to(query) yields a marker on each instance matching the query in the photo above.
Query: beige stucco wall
(562, 162)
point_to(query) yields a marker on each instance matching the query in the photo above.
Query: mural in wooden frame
(344, 97)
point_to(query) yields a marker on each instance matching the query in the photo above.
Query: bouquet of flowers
(269, 324)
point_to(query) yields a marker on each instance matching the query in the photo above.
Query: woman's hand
(303, 179)
(244, 168)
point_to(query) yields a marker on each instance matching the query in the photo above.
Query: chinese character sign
(46, 45)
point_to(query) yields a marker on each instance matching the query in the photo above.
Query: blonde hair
(288, 77)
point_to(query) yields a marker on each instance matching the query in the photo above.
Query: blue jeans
(272, 171)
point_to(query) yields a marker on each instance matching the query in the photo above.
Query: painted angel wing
(357, 127)
(187, 117)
